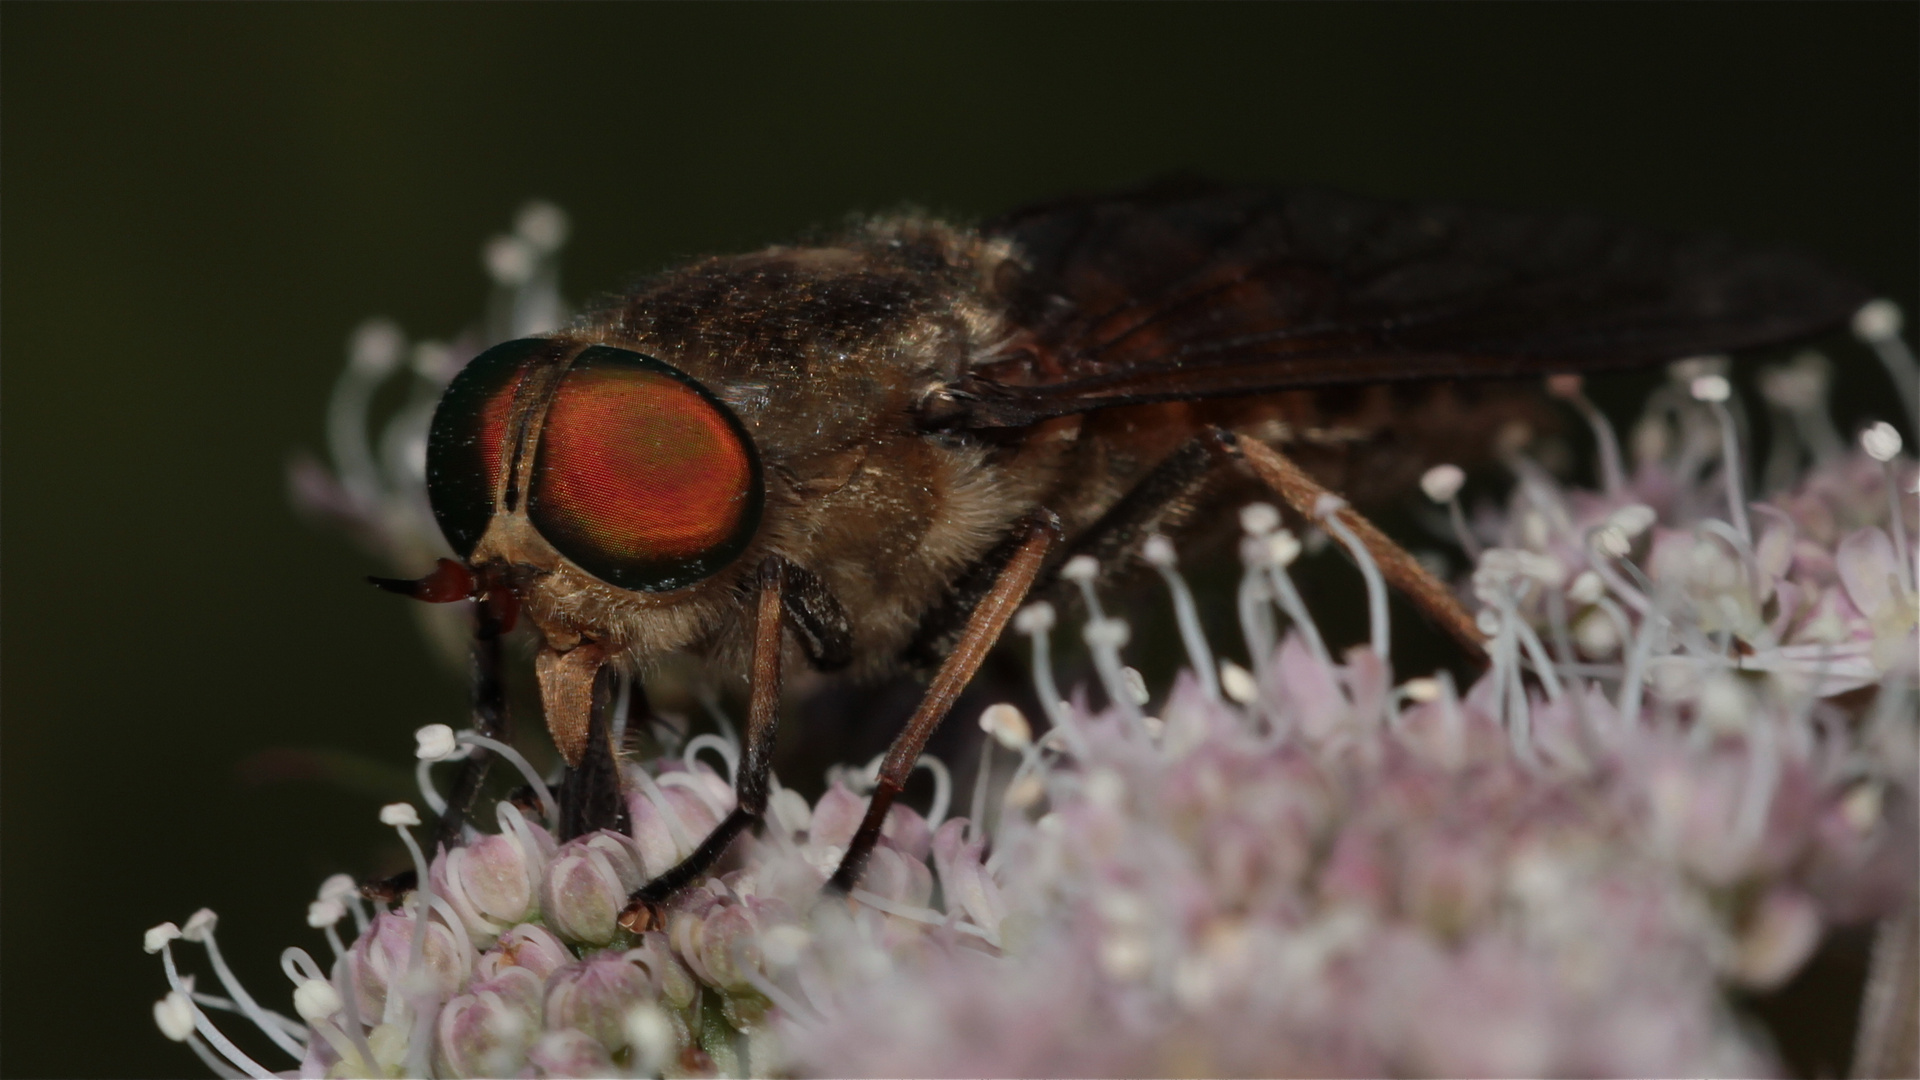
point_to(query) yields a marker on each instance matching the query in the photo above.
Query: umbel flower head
(1692, 753)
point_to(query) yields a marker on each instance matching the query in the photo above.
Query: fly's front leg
(756, 766)
(487, 699)
(984, 627)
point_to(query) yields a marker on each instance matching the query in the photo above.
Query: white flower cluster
(1693, 751)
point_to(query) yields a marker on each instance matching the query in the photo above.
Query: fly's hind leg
(984, 626)
(1151, 500)
(1182, 473)
(642, 912)
(1401, 570)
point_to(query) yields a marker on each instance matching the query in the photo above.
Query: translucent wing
(1189, 289)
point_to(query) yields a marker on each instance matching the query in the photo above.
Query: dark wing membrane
(1190, 289)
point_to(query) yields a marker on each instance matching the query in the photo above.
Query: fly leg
(590, 798)
(642, 912)
(487, 698)
(494, 613)
(1157, 496)
(1401, 570)
(984, 627)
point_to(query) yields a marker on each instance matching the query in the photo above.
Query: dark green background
(201, 201)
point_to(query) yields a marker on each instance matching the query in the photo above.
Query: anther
(1008, 726)
(1714, 391)
(1159, 553)
(1238, 683)
(510, 260)
(542, 225)
(1259, 519)
(1881, 441)
(1878, 323)
(1877, 320)
(435, 743)
(174, 1015)
(158, 937)
(1442, 482)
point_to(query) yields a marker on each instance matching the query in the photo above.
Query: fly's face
(596, 484)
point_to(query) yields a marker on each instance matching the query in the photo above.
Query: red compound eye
(469, 437)
(643, 478)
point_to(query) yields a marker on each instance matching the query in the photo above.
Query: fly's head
(610, 494)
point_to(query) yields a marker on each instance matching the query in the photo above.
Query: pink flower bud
(380, 958)
(898, 876)
(490, 882)
(1779, 936)
(836, 817)
(571, 1054)
(963, 877)
(487, 1030)
(525, 946)
(908, 831)
(587, 884)
(593, 997)
(721, 942)
(653, 827)
(671, 978)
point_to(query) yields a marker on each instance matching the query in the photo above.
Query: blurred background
(202, 201)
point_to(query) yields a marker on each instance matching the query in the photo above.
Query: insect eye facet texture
(643, 478)
(467, 443)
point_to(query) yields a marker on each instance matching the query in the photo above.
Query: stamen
(1882, 444)
(923, 915)
(1606, 545)
(1082, 570)
(729, 753)
(1442, 484)
(1714, 391)
(342, 978)
(699, 790)
(676, 828)
(341, 887)
(1159, 553)
(402, 816)
(184, 987)
(1328, 511)
(711, 702)
(199, 929)
(1653, 629)
(1763, 777)
(1256, 619)
(540, 790)
(1105, 638)
(1273, 551)
(1035, 620)
(175, 1016)
(1613, 473)
(1878, 324)
(435, 743)
(373, 352)
(942, 789)
(1515, 711)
